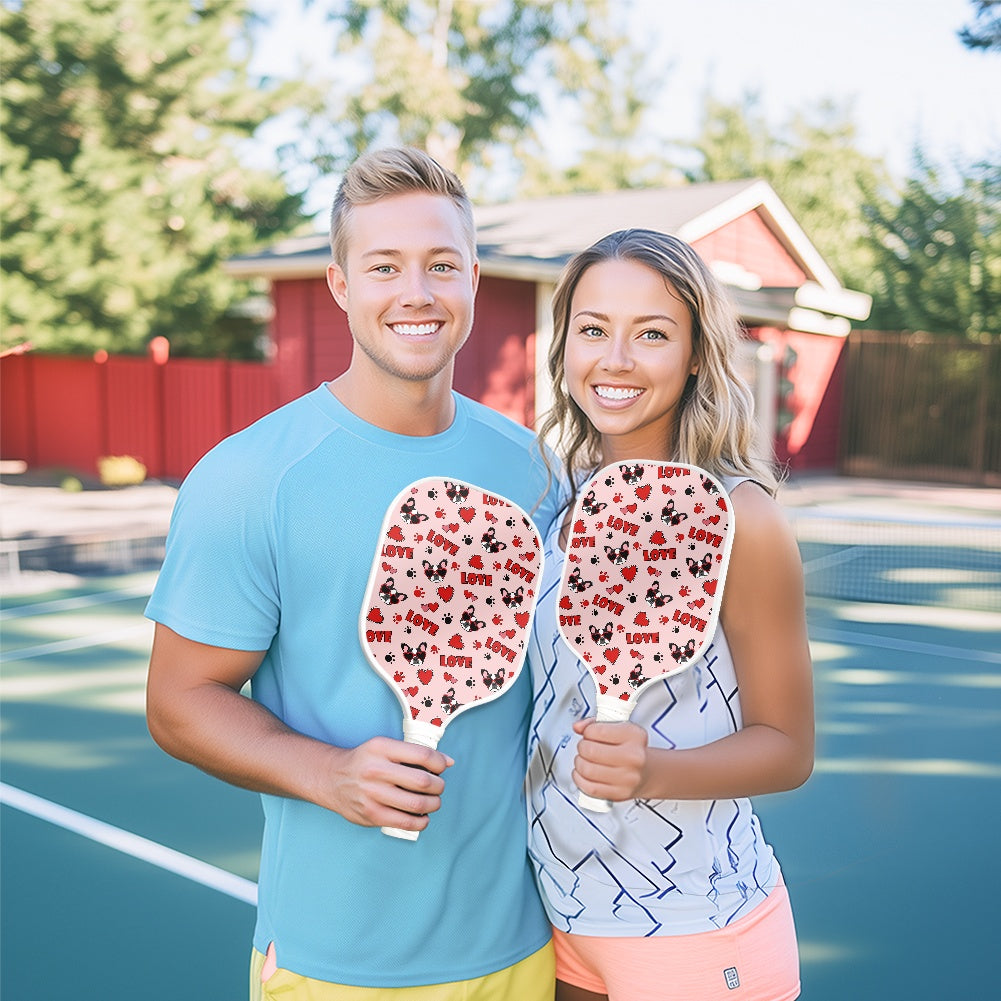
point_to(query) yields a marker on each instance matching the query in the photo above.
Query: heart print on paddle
(640, 591)
(449, 603)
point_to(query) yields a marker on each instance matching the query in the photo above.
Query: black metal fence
(921, 407)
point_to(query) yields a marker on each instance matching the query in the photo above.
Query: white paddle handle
(586, 802)
(427, 735)
(609, 710)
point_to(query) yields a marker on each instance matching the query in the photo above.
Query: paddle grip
(608, 710)
(427, 735)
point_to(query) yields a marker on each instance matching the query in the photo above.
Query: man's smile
(416, 329)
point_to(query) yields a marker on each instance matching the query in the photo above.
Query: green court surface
(127, 875)
(82, 919)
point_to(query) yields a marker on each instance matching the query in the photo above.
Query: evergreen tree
(608, 103)
(984, 32)
(938, 254)
(463, 80)
(814, 166)
(928, 251)
(122, 186)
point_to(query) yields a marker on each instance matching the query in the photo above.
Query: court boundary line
(57, 605)
(130, 844)
(831, 560)
(826, 635)
(77, 643)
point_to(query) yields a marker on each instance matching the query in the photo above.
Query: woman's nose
(617, 356)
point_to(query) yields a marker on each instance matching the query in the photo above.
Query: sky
(897, 66)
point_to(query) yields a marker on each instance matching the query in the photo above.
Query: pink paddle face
(450, 600)
(646, 561)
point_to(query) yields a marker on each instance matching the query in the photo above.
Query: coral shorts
(754, 959)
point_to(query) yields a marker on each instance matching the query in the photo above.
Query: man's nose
(416, 290)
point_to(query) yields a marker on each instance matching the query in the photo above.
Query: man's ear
(337, 282)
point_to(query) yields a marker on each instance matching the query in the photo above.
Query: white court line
(68, 604)
(130, 844)
(831, 560)
(907, 646)
(78, 643)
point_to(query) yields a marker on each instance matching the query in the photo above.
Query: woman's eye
(592, 331)
(653, 335)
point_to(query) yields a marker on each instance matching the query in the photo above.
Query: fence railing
(66, 412)
(922, 407)
(914, 407)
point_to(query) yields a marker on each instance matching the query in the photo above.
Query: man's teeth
(617, 392)
(415, 329)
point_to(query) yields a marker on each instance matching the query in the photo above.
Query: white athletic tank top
(648, 867)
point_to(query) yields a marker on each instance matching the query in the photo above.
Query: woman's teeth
(617, 392)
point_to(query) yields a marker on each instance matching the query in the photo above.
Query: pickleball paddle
(449, 602)
(640, 591)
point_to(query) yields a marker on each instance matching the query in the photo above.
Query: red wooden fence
(66, 412)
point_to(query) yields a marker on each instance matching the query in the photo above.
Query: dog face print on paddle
(646, 558)
(450, 597)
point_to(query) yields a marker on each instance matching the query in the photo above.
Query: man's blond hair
(396, 170)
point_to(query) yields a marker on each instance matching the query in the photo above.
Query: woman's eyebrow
(636, 319)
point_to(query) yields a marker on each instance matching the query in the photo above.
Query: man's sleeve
(218, 581)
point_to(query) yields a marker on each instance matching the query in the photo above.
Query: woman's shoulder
(763, 536)
(752, 500)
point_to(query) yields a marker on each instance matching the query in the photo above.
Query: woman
(673, 894)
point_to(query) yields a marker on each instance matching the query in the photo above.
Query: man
(267, 562)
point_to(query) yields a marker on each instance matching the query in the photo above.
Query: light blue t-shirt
(270, 547)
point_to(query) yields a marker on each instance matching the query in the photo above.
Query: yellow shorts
(533, 979)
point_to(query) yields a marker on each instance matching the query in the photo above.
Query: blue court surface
(127, 875)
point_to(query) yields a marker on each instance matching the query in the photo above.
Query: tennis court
(90, 908)
(129, 875)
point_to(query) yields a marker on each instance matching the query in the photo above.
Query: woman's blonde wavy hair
(715, 423)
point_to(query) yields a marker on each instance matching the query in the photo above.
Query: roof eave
(299, 266)
(760, 196)
(315, 266)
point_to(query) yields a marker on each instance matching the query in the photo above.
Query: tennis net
(95, 554)
(953, 564)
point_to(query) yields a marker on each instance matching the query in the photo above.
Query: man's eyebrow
(392, 252)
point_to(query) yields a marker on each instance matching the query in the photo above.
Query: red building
(796, 311)
(167, 412)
